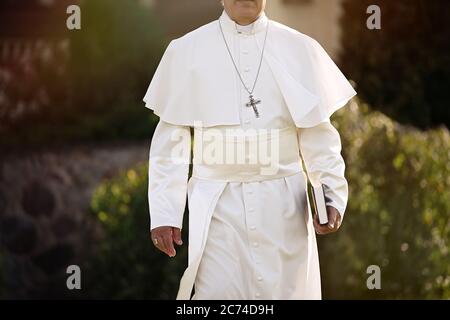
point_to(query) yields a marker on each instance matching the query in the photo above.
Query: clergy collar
(230, 25)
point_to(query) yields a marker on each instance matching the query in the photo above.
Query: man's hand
(334, 222)
(164, 237)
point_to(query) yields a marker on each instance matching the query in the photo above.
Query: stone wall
(44, 212)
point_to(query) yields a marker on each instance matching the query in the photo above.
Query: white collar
(230, 25)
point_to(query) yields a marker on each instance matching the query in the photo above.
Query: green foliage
(107, 67)
(397, 214)
(113, 58)
(126, 265)
(114, 54)
(397, 218)
(403, 69)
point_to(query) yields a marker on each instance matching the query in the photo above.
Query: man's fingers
(177, 236)
(159, 243)
(332, 220)
(337, 223)
(163, 245)
(165, 236)
(320, 229)
(158, 239)
(168, 243)
(316, 225)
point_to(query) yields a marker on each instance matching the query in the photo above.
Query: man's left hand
(334, 222)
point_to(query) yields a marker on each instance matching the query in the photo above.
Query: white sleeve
(169, 160)
(320, 147)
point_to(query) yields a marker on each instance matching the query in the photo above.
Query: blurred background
(74, 141)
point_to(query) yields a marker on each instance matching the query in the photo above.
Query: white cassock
(250, 231)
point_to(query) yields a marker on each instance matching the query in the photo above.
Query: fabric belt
(250, 155)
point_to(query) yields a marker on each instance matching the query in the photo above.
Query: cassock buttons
(257, 294)
(255, 244)
(260, 279)
(251, 209)
(247, 69)
(247, 121)
(245, 52)
(252, 228)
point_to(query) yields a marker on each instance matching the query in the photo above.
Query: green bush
(113, 58)
(397, 218)
(397, 215)
(95, 85)
(125, 264)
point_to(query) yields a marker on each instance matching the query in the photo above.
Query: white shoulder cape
(195, 78)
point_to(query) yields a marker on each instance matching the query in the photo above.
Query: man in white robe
(251, 234)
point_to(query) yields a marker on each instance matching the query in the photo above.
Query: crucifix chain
(253, 102)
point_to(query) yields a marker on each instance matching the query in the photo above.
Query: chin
(247, 12)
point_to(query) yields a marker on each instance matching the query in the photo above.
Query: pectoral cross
(253, 104)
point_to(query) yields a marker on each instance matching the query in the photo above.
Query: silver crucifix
(253, 104)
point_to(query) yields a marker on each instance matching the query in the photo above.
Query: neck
(244, 20)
